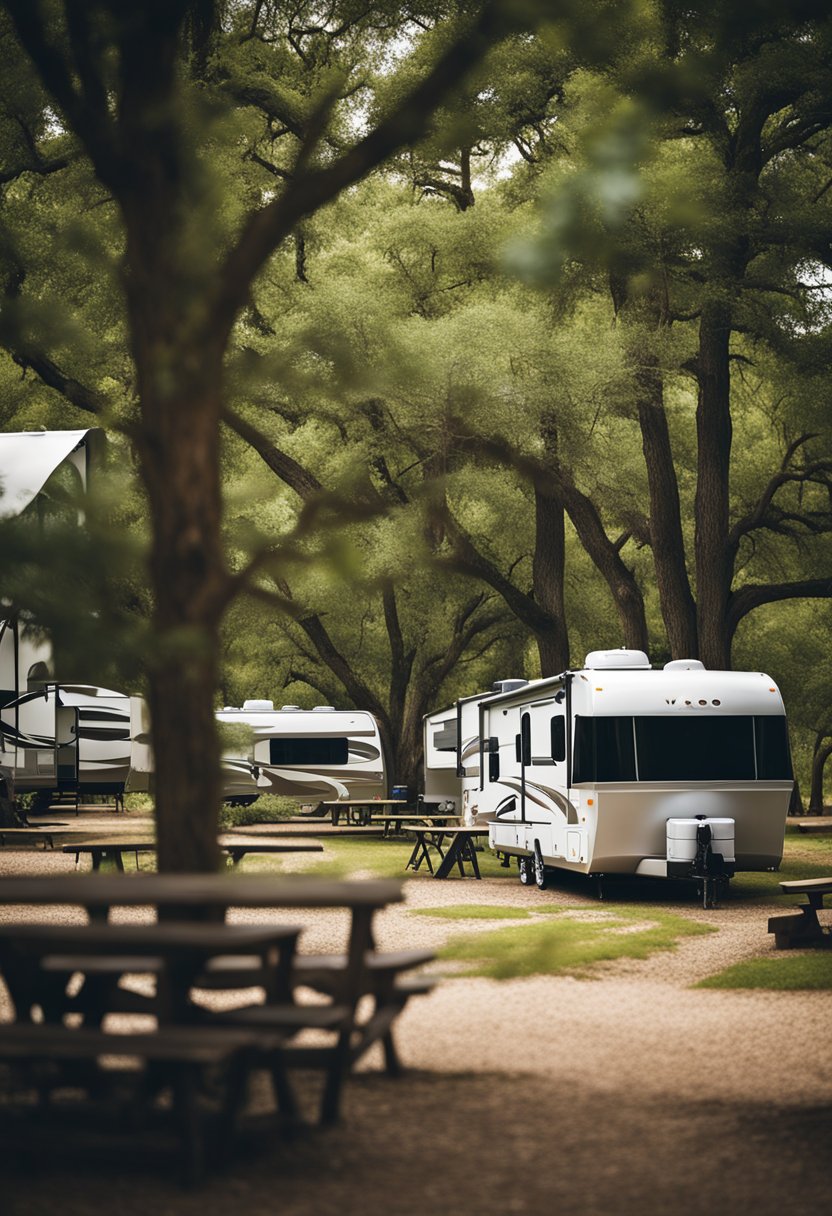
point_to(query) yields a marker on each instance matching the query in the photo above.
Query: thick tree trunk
(625, 591)
(548, 574)
(819, 759)
(714, 564)
(666, 537)
(179, 381)
(179, 465)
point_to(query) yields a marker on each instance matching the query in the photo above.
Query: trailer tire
(540, 876)
(524, 865)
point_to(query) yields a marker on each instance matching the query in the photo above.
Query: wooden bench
(113, 850)
(802, 927)
(22, 835)
(47, 1057)
(238, 849)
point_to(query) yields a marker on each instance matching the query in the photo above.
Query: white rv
(76, 738)
(58, 737)
(621, 769)
(308, 754)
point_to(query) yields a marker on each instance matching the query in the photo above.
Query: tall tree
(118, 79)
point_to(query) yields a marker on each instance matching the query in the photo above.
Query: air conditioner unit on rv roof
(258, 705)
(606, 659)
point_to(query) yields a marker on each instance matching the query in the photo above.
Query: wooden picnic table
(38, 960)
(455, 846)
(359, 810)
(236, 849)
(398, 820)
(20, 835)
(348, 976)
(111, 849)
(803, 927)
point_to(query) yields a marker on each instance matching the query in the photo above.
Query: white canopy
(29, 458)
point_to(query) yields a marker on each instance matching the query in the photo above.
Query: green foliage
(269, 808)
(571, 945)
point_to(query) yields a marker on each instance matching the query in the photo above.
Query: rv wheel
(539, 868)
(524, 864)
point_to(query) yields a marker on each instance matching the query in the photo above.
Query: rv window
(774, 761)
(708, 748)
(494, 764)
(559, 738)
(445, 739)
(604, 749)
(308, 751)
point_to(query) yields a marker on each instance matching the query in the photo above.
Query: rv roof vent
(606, 659)
(258, 704)
(684, 665)
(508, 685)
(284, 707)
(325, 709)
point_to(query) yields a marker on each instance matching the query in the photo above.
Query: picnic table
(111, 849)
(359, 810)
(235, 848)
(455, 846)
(397, 821)
(803, 927)
(345, 977)
(22, 835)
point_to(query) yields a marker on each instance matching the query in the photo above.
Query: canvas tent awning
(29, 458)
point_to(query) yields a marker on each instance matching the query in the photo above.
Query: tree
(128, 83)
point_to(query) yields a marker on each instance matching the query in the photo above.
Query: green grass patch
(569, 945)
(474, 912)
(269, 808)
(800, 972)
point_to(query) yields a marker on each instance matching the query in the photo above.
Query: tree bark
(821, 755)
(714, 566)
(676, 600)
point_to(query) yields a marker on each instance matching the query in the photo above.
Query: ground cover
(571, 944)
(809, 971)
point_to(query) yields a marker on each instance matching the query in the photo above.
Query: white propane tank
(681, 842)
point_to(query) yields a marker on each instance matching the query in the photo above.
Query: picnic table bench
(21, 835)
(455, 846)
(238, 849)
(359, 971)
(178, 1056)
(802, 927)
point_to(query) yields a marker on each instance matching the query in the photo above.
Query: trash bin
(400, 791)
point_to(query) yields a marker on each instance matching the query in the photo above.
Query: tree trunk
(179, 382)
(548, 574)
(666, 537)
(819, 759)
(714, 565)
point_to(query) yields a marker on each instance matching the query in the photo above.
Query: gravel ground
(628, 1092)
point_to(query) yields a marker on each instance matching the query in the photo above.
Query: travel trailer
(58, 737)
(320, 753)
(76, 739)
(621, 769)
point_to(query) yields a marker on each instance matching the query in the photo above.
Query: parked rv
(618, 768)
(320, 753)
(75, 739)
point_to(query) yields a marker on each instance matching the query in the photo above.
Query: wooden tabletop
(104, 846)
(200, 890)
(446, 831)
(167, 937)
(366, 802)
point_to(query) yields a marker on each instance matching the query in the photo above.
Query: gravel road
(628, 1092)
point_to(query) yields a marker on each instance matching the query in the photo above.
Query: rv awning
(27, 461)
